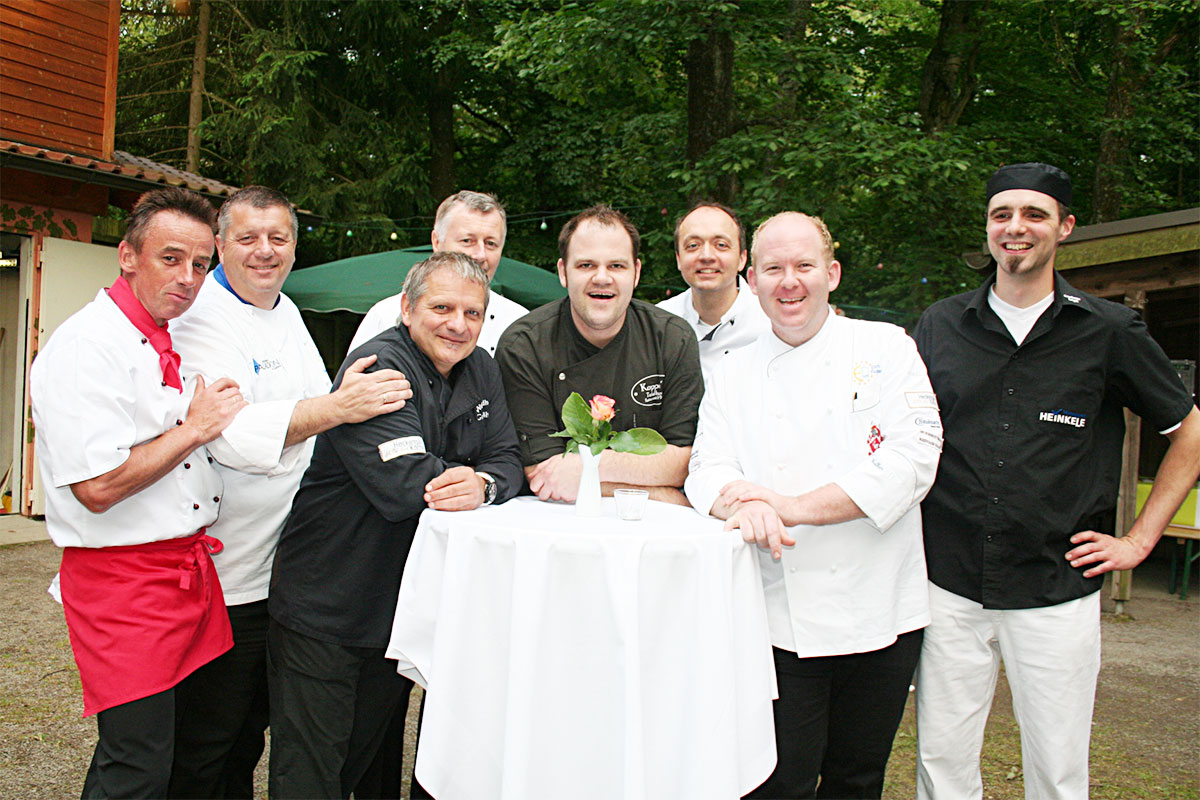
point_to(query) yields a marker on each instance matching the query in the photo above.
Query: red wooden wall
(58, 73)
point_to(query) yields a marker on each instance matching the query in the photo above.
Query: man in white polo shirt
(243, 327)
(710, 251)
(473, 223)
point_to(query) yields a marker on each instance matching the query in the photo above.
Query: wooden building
(59, 175)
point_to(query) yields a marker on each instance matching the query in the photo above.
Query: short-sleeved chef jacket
(1033, 436)
(651, 368)
(98, 392)
(338, 564)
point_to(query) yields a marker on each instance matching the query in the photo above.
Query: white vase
(587, 500)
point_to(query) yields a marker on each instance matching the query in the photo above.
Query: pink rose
(603, 408)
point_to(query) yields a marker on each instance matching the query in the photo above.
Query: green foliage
(559, 105)
(581, 429)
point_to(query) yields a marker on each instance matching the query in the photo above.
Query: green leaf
(639, 441)
(577, 418)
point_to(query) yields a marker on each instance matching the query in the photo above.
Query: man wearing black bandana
(1032, 377)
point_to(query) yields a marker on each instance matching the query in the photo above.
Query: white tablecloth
(577, 658)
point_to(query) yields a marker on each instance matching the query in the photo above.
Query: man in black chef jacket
(337, 570)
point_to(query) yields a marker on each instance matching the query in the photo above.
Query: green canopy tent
(333, 297)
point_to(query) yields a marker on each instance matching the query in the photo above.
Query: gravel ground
(1146, 734)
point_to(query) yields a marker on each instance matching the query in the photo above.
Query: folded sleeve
(84, 404)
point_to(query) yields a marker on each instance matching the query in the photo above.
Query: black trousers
(330, 708)
(384, 777)
(221, 714)
(133, 755)
(835, 720)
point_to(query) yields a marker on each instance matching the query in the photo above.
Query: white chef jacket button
(562, 376)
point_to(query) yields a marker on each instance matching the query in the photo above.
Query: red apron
(142, 617)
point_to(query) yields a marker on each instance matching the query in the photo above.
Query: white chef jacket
(272, 357)
(741, 325)
(796, 418)
(501, 312)
(97, 391)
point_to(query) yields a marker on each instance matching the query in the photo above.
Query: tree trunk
(1114, 143)
(949, 80)
(789, 77)
(440, 106)
(1128, 76)
(196, 96)
(709, 64)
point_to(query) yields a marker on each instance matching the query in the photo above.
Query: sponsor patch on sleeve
(921, 399)
(404, 446)
(930, 440)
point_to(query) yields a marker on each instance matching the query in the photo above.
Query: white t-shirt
(273, 359)
(97, 391)
(1019, 321)
(852, 406)
(501, 312)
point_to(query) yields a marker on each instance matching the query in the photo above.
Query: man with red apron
(130, 488)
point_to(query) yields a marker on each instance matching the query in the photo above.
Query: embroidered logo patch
(874, 438)
(404, 446)
(1064, 417)
(864, 371)
(921, 399)
(480, 410)
(648, 391)
(1071, 297)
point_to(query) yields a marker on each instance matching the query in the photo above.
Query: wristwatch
(489, 488)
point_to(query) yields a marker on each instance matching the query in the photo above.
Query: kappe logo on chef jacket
(1063, 417)
(648, 391)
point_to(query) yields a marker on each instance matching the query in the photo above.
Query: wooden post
(1122, 583)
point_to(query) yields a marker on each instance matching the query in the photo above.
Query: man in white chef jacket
(243, 327)
(819, 443)
(473, 223)
(710, 252)
(121, 428)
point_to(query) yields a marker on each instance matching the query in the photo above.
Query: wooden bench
(1185, 536)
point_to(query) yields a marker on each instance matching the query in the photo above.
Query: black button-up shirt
(342, 552)
(1033, 436)
(651, 368)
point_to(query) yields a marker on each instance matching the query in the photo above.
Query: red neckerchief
(131, 307)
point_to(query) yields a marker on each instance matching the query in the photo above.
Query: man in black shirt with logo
(1032, 377)
(599, 340)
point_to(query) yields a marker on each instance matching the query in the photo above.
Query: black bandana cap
(1038, 177)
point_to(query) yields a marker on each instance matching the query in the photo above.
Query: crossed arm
(557, 477)
(211, 410)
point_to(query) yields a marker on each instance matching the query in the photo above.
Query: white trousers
(1051, 658)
